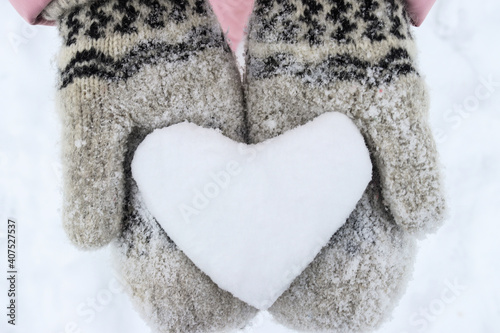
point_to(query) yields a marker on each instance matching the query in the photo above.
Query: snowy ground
(455, 286)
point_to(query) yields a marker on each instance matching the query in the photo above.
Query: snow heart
(252, 217)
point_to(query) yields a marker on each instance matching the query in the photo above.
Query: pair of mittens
(128, 67)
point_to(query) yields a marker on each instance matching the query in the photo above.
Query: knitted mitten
(356, 57)
(167, 289)
(127, 65)
(357, 279)
(126, 68)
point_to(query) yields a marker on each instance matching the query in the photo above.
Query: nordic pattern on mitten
(306, 57)
(126, 64)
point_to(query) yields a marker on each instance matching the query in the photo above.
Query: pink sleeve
(233, 16)
(418, 10)
(30, 10)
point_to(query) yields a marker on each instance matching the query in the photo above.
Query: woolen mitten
(357, 279)
(166, 287)
(127, 67)
(305, 58)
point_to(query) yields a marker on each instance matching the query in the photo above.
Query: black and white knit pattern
(337, 67)
(126, 20)
(94, 63)
(368, 41)
(317, 22)
(99, 20)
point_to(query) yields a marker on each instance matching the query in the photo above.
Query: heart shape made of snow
(252, 217)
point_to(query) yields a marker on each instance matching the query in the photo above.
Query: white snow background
(455, 286)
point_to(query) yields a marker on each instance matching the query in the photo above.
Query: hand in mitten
(356, 57)
(127, 65)
(165, 286)
(357, 279)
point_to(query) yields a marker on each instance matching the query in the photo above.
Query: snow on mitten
(167, 288)
(357, 57)
(127, 67)
(357, 279)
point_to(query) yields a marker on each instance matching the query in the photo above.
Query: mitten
(168, 290)
(357, 279)
(127, 67)
(358, 58)
(305, 58)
